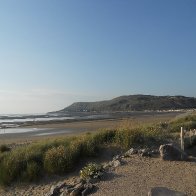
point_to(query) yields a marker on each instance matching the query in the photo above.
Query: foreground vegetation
(59, 156)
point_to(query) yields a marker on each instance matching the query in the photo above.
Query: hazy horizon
(54, 53)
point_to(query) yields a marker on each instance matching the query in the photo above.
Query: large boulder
(162, 191)
(171, 152)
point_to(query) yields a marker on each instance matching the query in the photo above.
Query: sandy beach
(42, 130)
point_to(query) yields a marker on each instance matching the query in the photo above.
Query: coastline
(69, 127)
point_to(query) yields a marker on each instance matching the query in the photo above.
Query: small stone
(155, 152)
(106, 166)
(130, 152)
(145, 153)
(88, 188)
(68, 190)
(76, 192)
(116, 163)
(85, 191)
(162, 191)
(78, 188)
(172, 153)
(54, 190)
(64, 194)
(117, 157)
(88, 185)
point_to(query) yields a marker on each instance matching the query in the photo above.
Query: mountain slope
(134, 103)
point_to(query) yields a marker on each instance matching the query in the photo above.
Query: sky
(54, 53)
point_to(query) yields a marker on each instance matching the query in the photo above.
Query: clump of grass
(56, 160)
(187, 122)
(32, 172)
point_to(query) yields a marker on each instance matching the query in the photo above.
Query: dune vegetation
(60, 156)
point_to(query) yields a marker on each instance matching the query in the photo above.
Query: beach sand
(67, 128)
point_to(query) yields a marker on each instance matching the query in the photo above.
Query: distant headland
(134, 103)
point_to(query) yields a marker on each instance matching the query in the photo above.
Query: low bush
(4, 148)
(57, 160)
(91, 170)
(32, 172)
(187, 122)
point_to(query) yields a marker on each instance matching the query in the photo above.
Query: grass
(187, 122)
(60, 156)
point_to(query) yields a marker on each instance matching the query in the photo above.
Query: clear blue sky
(53, 53)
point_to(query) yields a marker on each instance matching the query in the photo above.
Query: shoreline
(51, 129)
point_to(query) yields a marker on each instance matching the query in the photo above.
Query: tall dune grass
(59, 156)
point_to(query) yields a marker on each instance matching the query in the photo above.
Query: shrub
(91, 170)
(57, 160)
(187, 122)
(4, 148)
(11, 167)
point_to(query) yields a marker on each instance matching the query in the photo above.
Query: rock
(130, 152)
(162, 191)
(76, 192)
(68, 190)
(171, 153)
(117, 157)
(88, 189)
(145, 153)
(88, 185)
(85, 191)
(78, 188)
(64, 194)
(116, 163)
(155, 152)
(106, 166)
(54, 190)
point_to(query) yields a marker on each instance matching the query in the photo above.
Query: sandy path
(140, 174)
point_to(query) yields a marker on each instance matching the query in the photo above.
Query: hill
(134, 103)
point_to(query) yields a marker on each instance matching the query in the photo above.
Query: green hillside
(134, 103)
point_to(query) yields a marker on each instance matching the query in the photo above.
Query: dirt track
(140, 174)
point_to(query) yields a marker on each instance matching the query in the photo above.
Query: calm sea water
(11, 123)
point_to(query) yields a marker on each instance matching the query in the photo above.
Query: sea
(16, 123)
